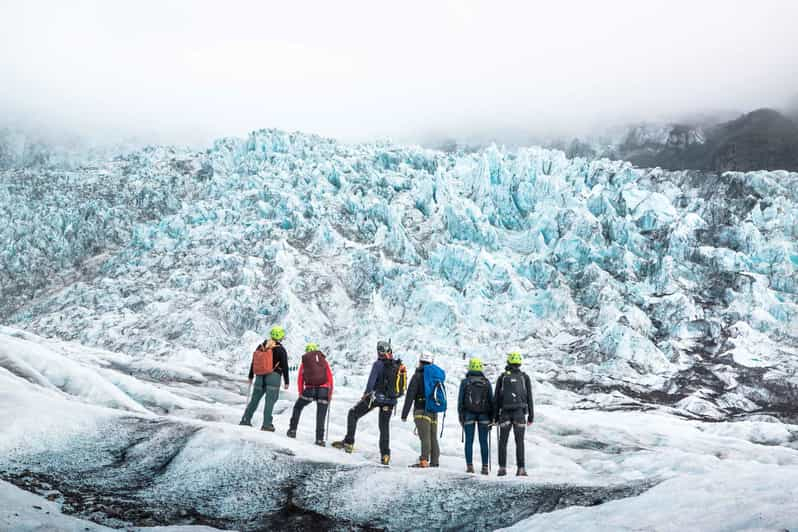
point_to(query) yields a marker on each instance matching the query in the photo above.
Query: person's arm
(300, 381)
(491, 398)
(498, 398)
(329, 381)
(529, 402)
(284, 364)
(372, 382)
(460, 396)
(251, 371)
(410, 396)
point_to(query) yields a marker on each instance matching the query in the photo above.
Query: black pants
(309, 395)
(514, 420)
(363, 407)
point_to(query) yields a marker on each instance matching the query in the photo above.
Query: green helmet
(311, 347)
(514, 358)
(277, 333)
(475, 364)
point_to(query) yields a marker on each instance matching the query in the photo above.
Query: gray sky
(191, 71)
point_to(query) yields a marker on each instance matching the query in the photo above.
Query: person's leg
(385, 430)
(258, 390)
(423, 428)
(484, 433)
(434, 449)
(322, 405)
(519, 429)
(469, 428)
(504, 436)
(272, 382)
(360, 409)
(300, 404)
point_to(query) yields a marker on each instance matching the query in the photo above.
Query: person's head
(475, 364)
(311, 347)
(384, 349)
(514, 358)
(277, 333)
(425, 358)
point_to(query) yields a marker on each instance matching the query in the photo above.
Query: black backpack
(392, 383)
(513, 390)
(476, 395)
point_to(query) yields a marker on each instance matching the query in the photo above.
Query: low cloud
(191, 71)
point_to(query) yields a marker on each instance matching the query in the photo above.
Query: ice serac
(672, 287)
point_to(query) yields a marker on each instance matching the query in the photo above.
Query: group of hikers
(480, 406)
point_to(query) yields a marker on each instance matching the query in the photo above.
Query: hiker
(315, 383)
(512, 404)
(426, 421)
(387, 382)
(269, 362)
(475, 410)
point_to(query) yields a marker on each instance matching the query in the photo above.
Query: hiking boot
(502, 472)
(386, 459)
(346, 447)
(469, 468)
(270, 428)
(321, 443)
(421, 463)
(521, 472)
(245, 423)
(291, 433)
(485, 470)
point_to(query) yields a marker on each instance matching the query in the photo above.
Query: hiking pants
(514, 420)
(363, 407)
(427, 428)
(309, 395)
(476, 423)
(263, 385)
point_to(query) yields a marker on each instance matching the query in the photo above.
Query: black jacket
(497, 397)
(461, 394)
(281, 361)
(415, 396)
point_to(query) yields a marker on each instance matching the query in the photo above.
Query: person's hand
(404, 419)
(249, 381)
(285, 386)
(529, 422)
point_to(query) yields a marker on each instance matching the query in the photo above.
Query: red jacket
(328, 384)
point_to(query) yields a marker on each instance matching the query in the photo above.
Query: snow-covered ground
(657, 313)
(125, 449)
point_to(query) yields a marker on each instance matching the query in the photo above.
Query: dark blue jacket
(461, 395)
(374, 376)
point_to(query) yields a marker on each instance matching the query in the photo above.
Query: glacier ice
(167, 249)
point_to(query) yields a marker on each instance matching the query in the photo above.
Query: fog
(188, 72)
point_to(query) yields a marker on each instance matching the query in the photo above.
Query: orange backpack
(263, 361)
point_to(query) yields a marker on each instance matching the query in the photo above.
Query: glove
(529, 421)
(462, 421)
(404, 419)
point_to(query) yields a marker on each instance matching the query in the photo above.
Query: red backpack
(263, 361)
(314, 368)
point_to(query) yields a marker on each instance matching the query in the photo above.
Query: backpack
(314, 368)
(476, 395)
(263, 361)
(392, 382)
(513, 390)
(434, 389)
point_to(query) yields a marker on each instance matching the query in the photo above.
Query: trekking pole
(329, 408)
(490, 458)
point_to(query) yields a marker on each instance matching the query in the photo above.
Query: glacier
(641, 299)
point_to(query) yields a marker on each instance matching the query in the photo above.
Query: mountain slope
(760, 140)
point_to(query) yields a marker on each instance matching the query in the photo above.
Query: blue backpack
(434, 389)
